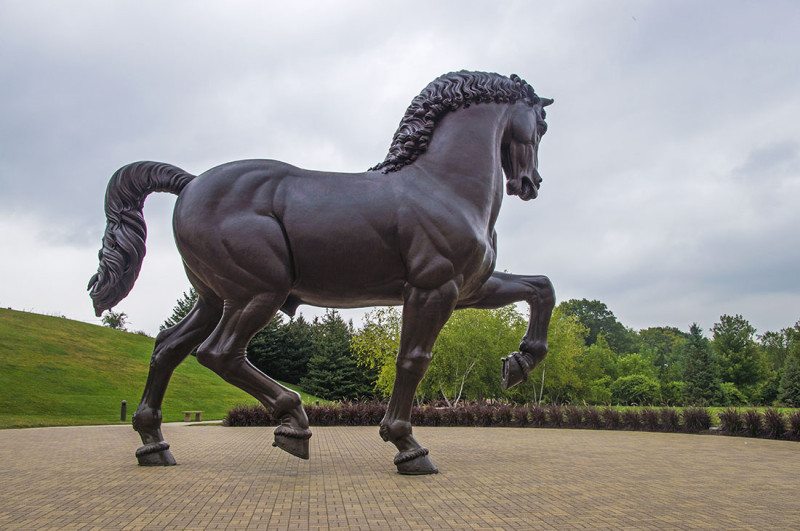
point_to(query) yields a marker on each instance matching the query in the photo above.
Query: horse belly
(346, 270)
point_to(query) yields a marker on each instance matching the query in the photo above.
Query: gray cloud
(671, 167)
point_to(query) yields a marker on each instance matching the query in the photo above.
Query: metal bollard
(124, 411)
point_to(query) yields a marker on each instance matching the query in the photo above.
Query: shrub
(631, 419)
(696, 419)
(650, 419)
(538, 416)
(774, 424)
(670, 419)
(794, 425)
(432, 416)
(484, 415)
(417, 416)
(635, 389)
(347, 414)
(593, 418)
(521, 416)
(466, 416)
(752, 423)
(574, 416)
(612, 419)
(375, 411)
(555, 415)
(731, 421)
(450, 417)
(672, 393)
(254, 415)
(328, 415)
(504, 415)
(731, 395)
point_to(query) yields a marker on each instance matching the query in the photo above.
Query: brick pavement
(491, 478)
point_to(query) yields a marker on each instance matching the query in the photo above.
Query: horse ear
(546, 101)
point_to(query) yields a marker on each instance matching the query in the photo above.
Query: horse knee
(545, 291)
(415, 362)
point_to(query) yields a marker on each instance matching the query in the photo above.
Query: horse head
(520, 148)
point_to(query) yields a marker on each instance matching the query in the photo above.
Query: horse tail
(123, 242)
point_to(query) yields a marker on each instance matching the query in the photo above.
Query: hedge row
(769, 424)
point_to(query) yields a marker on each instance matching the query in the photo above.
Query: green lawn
(59, 372)
(716, 410)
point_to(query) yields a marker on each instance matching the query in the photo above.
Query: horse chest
(436, 257)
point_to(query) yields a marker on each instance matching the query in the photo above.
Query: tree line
(593, 358)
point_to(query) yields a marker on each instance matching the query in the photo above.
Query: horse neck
(464, 153)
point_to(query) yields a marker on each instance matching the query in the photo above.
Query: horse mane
(445, 94)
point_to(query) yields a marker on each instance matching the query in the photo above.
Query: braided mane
(445, 94)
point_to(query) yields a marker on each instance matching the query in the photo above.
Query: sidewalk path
(491, 478)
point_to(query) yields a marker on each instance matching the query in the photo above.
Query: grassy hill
(58, 372)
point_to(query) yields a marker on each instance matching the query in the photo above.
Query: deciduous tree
(596, 316)
(376, 344)
(739, 356)
(556, 379)
(468, 352)
(115, 320)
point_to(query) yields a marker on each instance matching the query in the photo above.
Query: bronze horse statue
(259, 236)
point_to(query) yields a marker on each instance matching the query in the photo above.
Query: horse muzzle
(525, 187)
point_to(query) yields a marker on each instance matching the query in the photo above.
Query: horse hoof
(415, 463)
(513, 371)
(292, 441)
(155, 454)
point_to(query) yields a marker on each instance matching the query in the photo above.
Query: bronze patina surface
(259, 236)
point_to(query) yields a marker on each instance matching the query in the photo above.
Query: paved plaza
(491, 478)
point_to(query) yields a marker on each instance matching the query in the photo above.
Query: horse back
(338, 231)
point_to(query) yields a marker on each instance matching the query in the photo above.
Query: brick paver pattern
(491, 478)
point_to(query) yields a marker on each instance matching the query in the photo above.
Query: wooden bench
(188, 414)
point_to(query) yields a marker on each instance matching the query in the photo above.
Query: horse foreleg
(172, 347)
(224, 353)
(424, 314)
(502, 289)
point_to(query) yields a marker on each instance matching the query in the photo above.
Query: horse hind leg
(173, 345)
(224, 353)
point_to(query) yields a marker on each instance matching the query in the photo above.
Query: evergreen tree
(332, 371)
(281, 350)
(183, 307)
(789, 391)
(266, 349)
(701, 372)
(298, 348)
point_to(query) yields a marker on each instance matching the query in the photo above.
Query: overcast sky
(671, 165)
